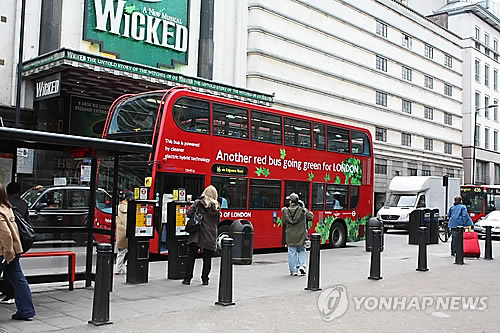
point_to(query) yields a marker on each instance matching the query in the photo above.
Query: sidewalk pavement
(268, 299)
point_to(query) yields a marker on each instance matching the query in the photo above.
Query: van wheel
(338, 235)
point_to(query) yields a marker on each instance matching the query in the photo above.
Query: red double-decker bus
(255, 156)
(480, 199)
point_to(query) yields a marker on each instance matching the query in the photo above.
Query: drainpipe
(206, 42)
(19, 64)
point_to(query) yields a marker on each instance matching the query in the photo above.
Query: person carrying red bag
(457, 216)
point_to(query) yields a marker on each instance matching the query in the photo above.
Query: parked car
(493, 219)
(55, 207)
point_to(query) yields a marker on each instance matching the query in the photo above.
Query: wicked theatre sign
(149, 32)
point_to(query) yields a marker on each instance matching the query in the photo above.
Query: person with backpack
(205, 238)
(10, 252)
(295, 219)
(14, 192)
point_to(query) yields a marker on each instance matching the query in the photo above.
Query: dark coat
(295, 222)
(20, 205)
(207, 235)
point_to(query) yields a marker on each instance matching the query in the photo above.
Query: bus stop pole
(90, 223)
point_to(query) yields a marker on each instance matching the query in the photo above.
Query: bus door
(166, 184)
(300, 188)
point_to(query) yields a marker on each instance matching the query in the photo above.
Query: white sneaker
(302, 270)
(293, 273)
(7, 301)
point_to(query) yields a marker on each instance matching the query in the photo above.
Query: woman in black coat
(204, 239)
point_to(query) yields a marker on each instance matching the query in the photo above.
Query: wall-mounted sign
(88, 116)
(48, 87)
(233, 170)
(153, 33)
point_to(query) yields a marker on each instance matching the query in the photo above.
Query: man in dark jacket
(295, 219)
(14, 192)
(457, 216)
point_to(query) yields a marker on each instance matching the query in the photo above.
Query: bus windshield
(473, 201)
(402, 200)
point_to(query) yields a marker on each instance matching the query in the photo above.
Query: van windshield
(402, 200)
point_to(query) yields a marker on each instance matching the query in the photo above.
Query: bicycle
(444, 232)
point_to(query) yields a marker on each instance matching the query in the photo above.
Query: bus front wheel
(338, 235)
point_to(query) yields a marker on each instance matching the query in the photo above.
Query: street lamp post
(473, 180)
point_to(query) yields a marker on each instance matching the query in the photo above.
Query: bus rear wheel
(338, 235)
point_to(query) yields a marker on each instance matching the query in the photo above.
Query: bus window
(492, 201)
(233, 190)
(300, 188)
(297, 133)
(318, 196)
(336, 196)
(338, 140)
(266, 127)
(192, 115)
(265, 194)
(353, 197)
(360, 144)
(230, 121)
(136, 114)
(319, 137)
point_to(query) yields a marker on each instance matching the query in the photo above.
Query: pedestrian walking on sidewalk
(121, 233)
(457, 216)
(10, 251)
(205, 238)
(295, 219)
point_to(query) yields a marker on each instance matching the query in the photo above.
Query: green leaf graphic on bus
(262, 171)
(323, 228)
(310, 176)
(309, 224)
(352, 170)
(327, 177)
(279, 222)
(337, 180)
(129, 9)
(282, 153)
(353, 228)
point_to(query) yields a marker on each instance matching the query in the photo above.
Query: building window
(381, 98)
(381, 63)
(476, 135)
(448, 90)
(381, 29)
(487, 39)
(495, 140)
(495, 44)
(447, 60)
(406, 106)
(426, 172)
(448, 148)
(497, 174)
(429, 51)
(487, 75)
(486, 138)
(406, 73)
(478, 33)
(428, 144)
(428, 82)
(477, 70)
(477, 99)
(381, 166)
(495, 110)
(495, 79)
(380, 134)
(448, 118)
(407, 41)
(428, 113)
(486, 108)
(406, 139)
(412, 171)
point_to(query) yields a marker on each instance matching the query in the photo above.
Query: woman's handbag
(193, 224)
(26, 231)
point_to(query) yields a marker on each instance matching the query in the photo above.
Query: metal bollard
(100, 308)
(422, 250)
(459, 256)
(375, 257)
(488, 250)
(226, 274)
(313, 277)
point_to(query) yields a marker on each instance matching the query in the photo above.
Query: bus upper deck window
(266, 127)
(360, 144)
(192, 115)
(230, 121)
(319, 137)
(338, 140)
(297, 133)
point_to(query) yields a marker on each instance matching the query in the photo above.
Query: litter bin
(416, 220)
(371, 225)
(241, 231)
(434, 226)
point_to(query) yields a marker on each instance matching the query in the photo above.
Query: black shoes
(186, 282)
(16, 316)
(205, 283)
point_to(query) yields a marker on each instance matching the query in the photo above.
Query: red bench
(71, 261)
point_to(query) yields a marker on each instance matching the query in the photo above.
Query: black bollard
(375, 257)
(226, 273)
(313, 277)
(459, 256)
(422, 250)
(488, 251)
(100, 308)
